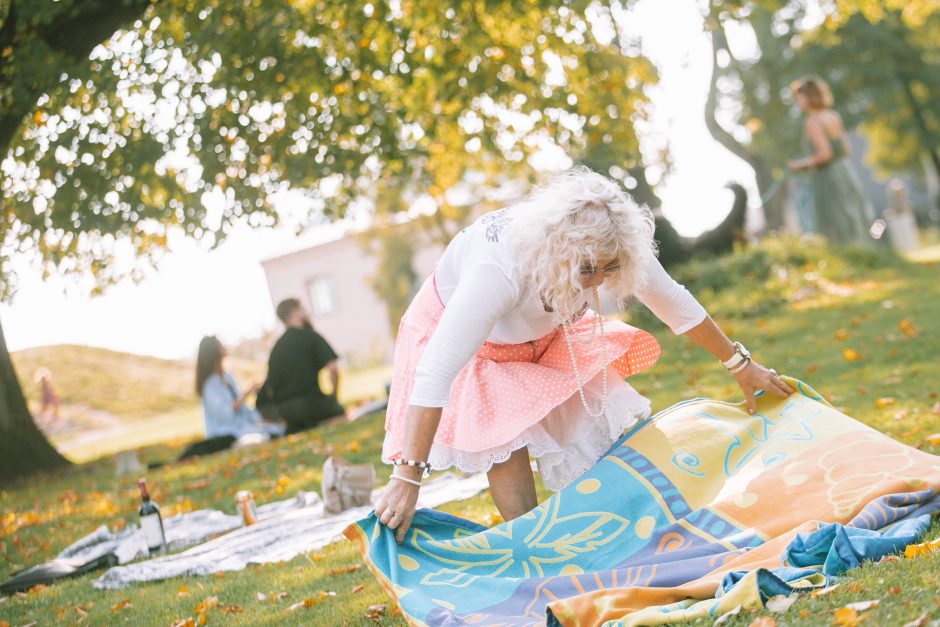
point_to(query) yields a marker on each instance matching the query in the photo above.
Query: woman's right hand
(396, 507)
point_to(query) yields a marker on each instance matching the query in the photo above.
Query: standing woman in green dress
(841, 211)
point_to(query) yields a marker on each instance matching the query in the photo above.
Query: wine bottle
(150, 520)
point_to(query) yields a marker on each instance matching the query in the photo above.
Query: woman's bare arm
(753, 378)
(396, 508)
(822, 147)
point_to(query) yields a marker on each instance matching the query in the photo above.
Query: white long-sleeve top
(486, 298)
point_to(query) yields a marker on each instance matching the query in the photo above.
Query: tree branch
(718, 132)
(74, 33)
(92, 22)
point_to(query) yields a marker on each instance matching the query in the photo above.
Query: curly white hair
(578, 219)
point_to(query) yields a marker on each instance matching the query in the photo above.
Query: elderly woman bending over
(503, 353)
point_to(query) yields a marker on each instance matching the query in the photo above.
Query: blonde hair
(816, 91)
(576, 219)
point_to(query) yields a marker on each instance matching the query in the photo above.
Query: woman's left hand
(755, 378)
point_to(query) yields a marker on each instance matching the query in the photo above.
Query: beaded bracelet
(406, 480)
(425, 466)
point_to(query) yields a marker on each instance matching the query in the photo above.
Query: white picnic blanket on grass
(181, 531)
(282, 532)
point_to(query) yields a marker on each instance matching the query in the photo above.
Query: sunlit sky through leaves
(197, 291)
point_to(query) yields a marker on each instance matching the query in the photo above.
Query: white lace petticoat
(567, 442)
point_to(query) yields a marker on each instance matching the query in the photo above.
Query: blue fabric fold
(836, 548)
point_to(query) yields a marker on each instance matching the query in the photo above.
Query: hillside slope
(128, 386)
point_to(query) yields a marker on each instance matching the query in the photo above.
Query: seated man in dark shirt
(292, 390)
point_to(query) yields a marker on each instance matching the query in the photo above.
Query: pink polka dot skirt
(506, 389)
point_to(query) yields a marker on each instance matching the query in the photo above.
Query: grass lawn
(120, 401)
(861, 327)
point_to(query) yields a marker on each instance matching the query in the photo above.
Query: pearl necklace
(597, 323)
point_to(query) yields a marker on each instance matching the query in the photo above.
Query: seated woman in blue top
(223, 405)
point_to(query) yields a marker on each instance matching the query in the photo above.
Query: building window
(322, 296)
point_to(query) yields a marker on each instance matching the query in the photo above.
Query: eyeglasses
(606, 270)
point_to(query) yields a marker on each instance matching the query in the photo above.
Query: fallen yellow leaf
(924, 548)
(358, 588)
(841, 335)
(232, 609)
(847, 617)
(121, 605)
(341, 570)
(763, 621)
(492, 519)
(182, 591)
(184, 622)
(884, 401)
(850, 355)
(206, 604)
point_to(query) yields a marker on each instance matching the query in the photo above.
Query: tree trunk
(23, 448)
(774, 207)
(75, 32)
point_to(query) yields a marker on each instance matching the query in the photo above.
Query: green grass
(184, 425)
(147, 400)
(129, 386)
(798, 305)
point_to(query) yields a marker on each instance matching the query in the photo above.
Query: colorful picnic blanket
(696, 511)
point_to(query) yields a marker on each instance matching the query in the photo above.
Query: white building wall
(356, 322)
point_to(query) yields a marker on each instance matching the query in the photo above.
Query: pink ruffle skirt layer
(514, 395)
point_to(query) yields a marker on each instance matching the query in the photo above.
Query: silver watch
(741, 354)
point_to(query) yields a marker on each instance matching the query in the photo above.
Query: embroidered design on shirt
(495, 222)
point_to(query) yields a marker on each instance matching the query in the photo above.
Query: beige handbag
(346, 485)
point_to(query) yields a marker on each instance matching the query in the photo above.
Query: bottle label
(153, 531)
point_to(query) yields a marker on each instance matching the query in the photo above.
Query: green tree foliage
(879, 56)
(121, 119)
(395, 278)
(888, 74)
(243, 100)
(748, 110)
